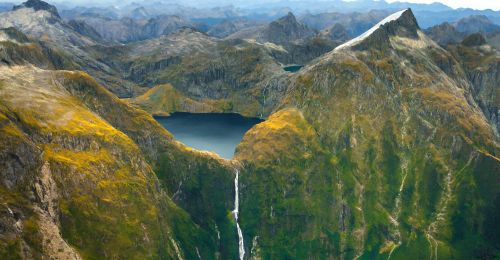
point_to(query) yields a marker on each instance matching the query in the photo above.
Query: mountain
(76, 159)
(165, 99)
(130, 30)
(140, 13)
(445, 33)
(163, 25)
(227, 74)
(456, 32)
(378, 149)
(19, 49)
(89, 11)
(42, 22)
(38, 5)
(476, 23)
(228, 27)
(300, 43)
(355, 23)
(85, 30)
(482, 66)
(286, 30)
(383, 146)
(283, 31)
(337, 32)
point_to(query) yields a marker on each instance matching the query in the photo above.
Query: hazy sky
(476, 4)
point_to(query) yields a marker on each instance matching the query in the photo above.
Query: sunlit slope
(76, 184)
(383, 151)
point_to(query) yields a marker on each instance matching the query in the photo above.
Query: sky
(475, 4)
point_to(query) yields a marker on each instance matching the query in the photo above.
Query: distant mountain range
(456, 32)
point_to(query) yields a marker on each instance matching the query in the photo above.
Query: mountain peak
(402, 23)
(38, 5)
(286, 30)
(287, 19)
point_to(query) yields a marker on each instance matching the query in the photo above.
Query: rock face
(38, 5)
(444, 34)
(286, 30)
(374, 152)
(84, 29)
(481, 63)
(224, 75)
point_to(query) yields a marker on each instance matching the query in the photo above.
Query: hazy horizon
(477, 5)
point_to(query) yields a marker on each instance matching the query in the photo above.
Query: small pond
(215, 132)
(293, 68)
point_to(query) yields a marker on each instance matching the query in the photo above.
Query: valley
(167, 131)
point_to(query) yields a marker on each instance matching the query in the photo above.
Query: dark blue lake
(215, 132)
(293, 68)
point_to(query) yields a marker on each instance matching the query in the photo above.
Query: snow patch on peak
(366, 34)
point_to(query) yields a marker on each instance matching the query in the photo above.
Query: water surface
(293, 68)
(215, 132)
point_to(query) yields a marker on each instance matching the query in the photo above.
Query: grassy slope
(165, 99)
(406, 162)
(110, 200)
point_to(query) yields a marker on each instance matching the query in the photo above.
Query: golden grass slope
(165, 99)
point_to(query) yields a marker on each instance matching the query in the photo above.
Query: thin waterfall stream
(241, 245)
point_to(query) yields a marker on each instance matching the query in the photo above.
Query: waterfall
(241, 245)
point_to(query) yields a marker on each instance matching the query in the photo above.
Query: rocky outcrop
(38, 5)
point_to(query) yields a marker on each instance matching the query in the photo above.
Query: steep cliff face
(227, 76)
(85, 175)
(482, 65)
(81, 165)
(377, 151)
